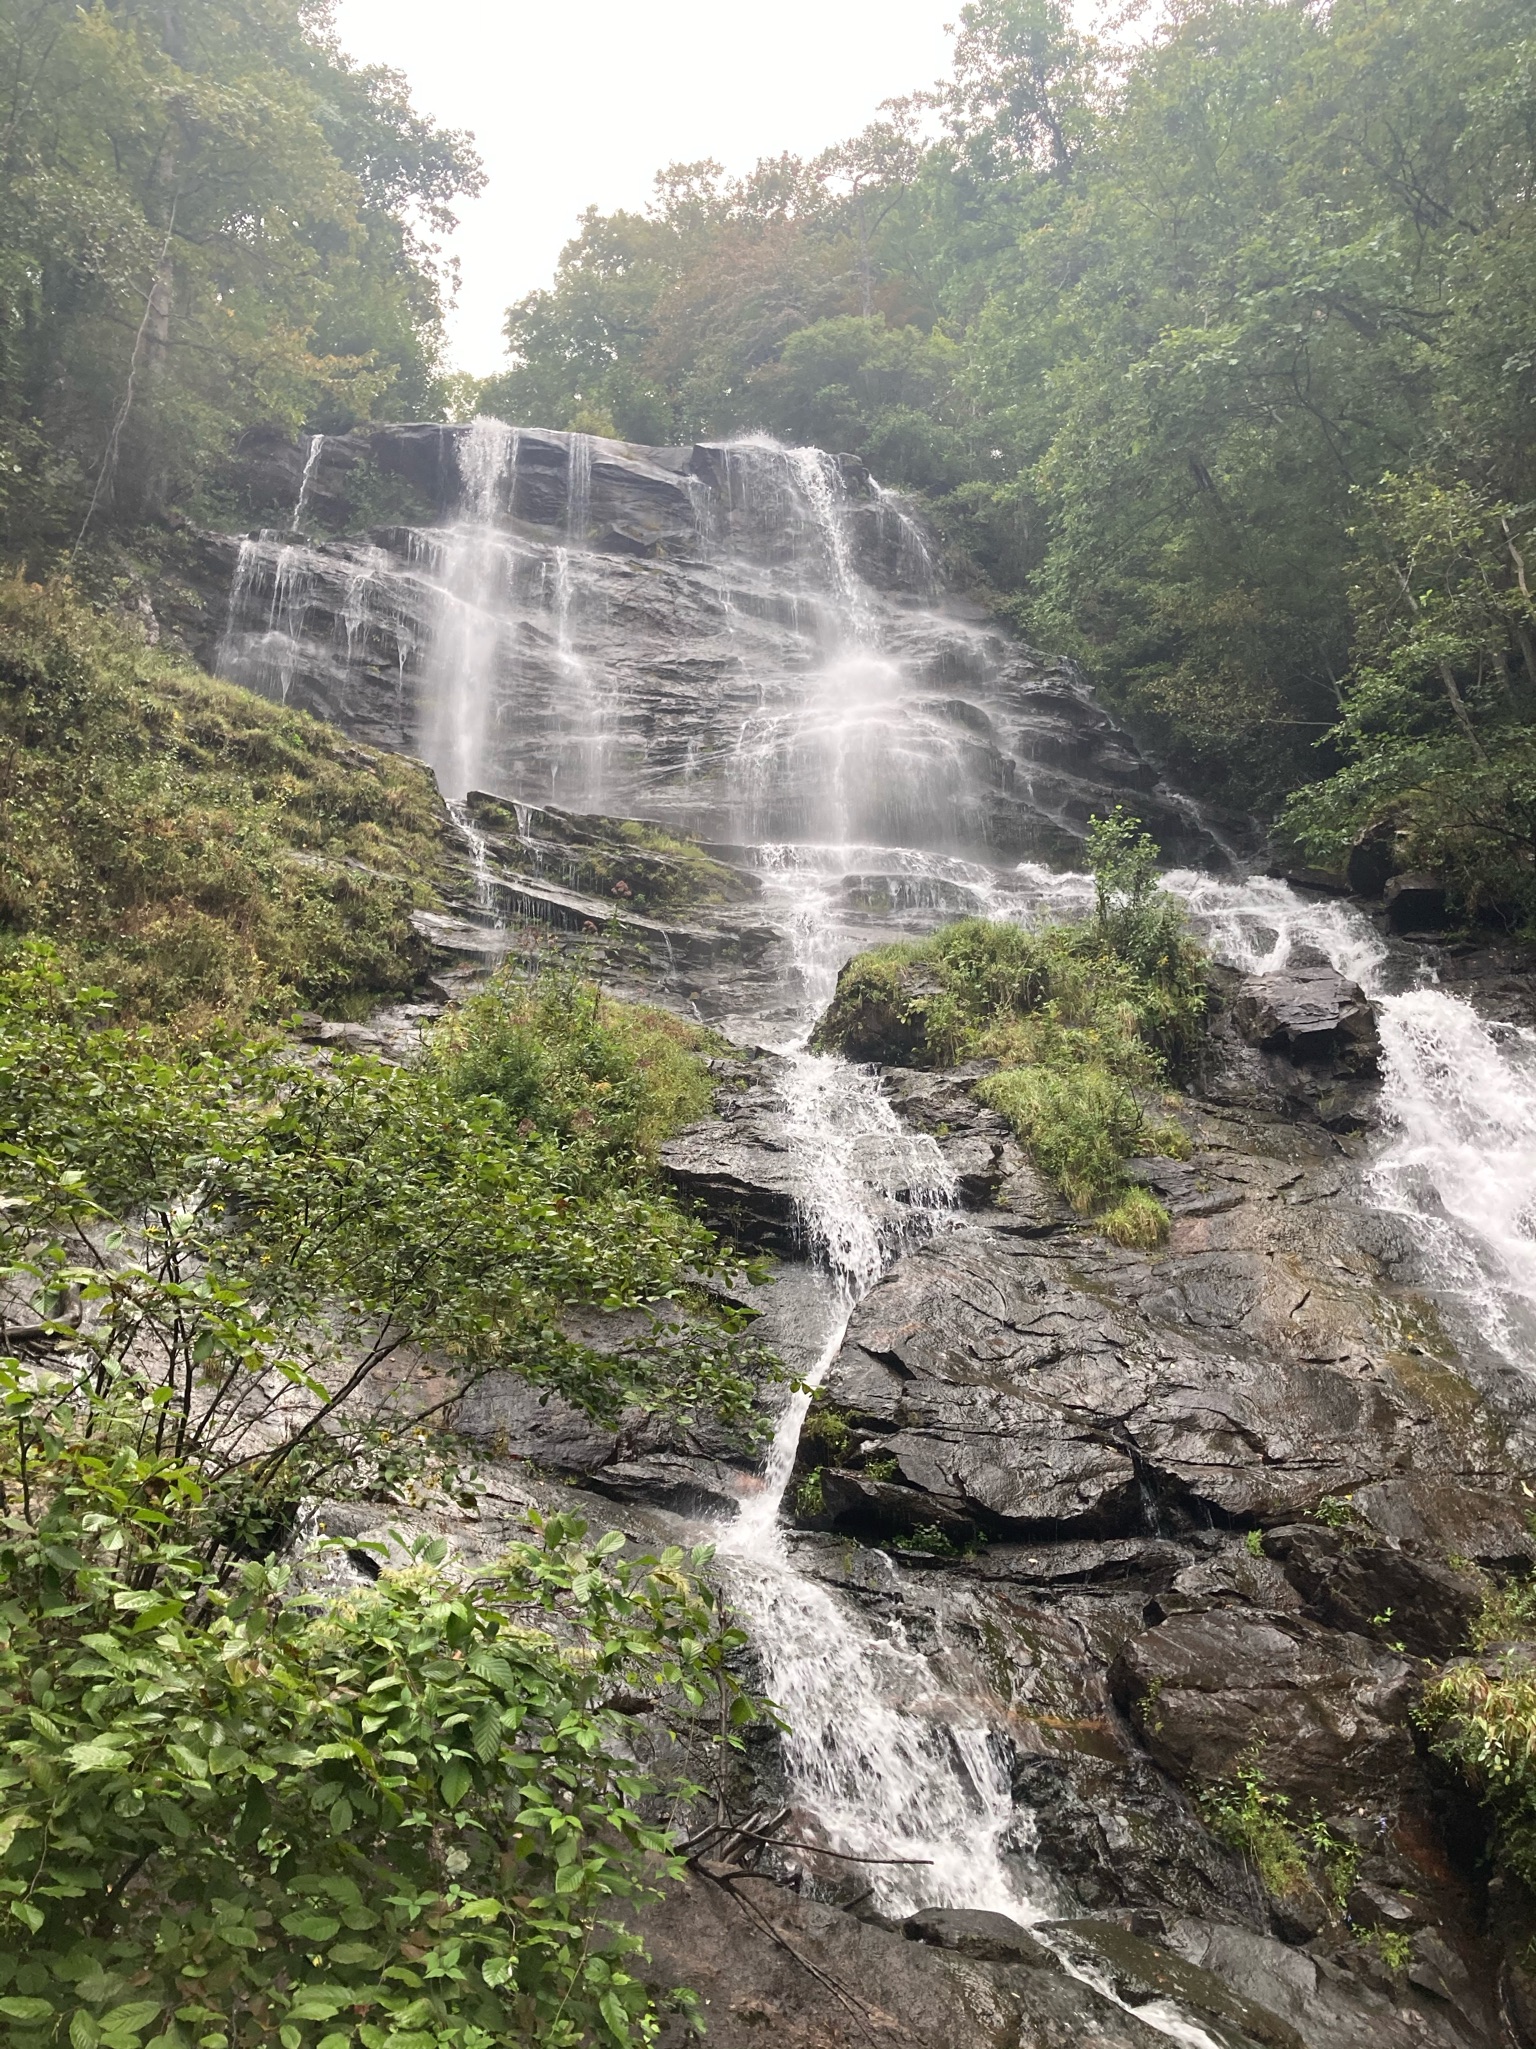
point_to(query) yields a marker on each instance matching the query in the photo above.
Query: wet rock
(1417, 1604)
(687, 1486)
(877, 1509)
(1115, 1834)
(1417, 902)
(972, 1932)
(513, 1418)
(1311, 1014)
(800, 1975)
(1321, 1709)
(1142, 1972)
(1328, 2007)
(1438, 1517)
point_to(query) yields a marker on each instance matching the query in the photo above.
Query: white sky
(580, 102)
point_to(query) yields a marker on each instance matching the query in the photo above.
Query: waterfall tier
(739, 640)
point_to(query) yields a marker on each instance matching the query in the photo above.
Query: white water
(307, 481)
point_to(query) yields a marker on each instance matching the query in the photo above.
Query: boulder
(1145, 1974)
(1444, 1517)
(1322, 1712)
(1311, 1014)
(1417, 902)
(973, 1932)
(1419, 1605)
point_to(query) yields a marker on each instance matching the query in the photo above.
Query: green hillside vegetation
(231, 1808)
(408, 1812)
(196, 848)
(1088, 1024)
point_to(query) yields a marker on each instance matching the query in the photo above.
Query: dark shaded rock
(1416, 903)
(972, 1932)
(1322, 1710)
(1115, 1834)
(1369, 864)
(878, 1508)
(1311, 1014)
(687, 1486)
(1378, 1590)
(526, 1422)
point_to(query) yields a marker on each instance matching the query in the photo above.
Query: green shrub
(1481, 1719)
(233, 1811)
(608, 1079)
(1087, 1022)
(1138, 1221)
(205, 852)
(1290, 1858)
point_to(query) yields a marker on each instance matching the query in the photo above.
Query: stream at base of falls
(777, 673)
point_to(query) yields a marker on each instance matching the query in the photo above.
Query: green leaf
(612, 2010)
(27, 2010)
(312, 1927)
(83, 2031)
(456, 1782)
(97, 1757)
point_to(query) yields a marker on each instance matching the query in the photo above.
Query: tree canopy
(209, 219)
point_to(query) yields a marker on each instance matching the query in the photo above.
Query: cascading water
(745, 642)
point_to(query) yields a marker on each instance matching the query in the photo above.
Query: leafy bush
(233, 1810)
(204, 851)
(295, 1223)
(610, 1080)
(1481, 1718)
(1291, 1858)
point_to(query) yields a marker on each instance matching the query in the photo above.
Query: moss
(204, 852)
(630, 860)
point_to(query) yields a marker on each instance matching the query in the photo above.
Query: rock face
(661, 618)
(1227, 1500)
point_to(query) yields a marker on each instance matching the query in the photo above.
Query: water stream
(869, 748)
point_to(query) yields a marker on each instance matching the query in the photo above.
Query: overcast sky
(579, 102)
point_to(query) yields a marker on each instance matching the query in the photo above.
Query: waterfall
(749, 643)
(468, 644)
(307, 481)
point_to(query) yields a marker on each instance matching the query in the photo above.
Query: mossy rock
(638, 864)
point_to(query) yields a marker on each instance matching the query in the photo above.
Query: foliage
(609, 1080)
(1086, 1022)
(294, 1224)
(231, 1809)
(1138, 1220)
(209, 220)
(1436, 730)
(1481, 1719)
(1291, 1858)
(809, 1500)
(204, 851)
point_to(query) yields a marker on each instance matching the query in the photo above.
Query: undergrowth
(204, 852)
(1089, 1024)
(554, 1054)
